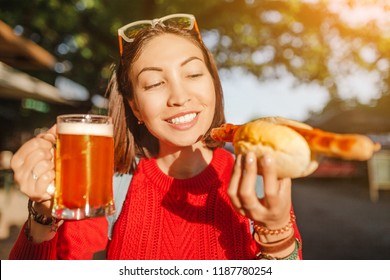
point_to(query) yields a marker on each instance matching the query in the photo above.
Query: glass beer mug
(84, 164)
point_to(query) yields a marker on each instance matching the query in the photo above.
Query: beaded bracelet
(293, 256)
(262, 230)
(40, 219)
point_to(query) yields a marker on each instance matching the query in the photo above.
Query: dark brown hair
(134, 140)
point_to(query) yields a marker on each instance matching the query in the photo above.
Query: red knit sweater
(167, 218)
(162, 218)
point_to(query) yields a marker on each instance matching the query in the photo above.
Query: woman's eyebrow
(160, 69)
(189, 60)
(149, 69)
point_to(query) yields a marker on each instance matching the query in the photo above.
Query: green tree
(268, 38)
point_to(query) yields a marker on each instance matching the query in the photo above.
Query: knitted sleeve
(80, 240)
(24, 249)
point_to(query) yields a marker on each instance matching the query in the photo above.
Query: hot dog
(294, 145)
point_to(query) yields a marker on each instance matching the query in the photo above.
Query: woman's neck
(185, 162)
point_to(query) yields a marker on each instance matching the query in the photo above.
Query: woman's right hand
(33, 166)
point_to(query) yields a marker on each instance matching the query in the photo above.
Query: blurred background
(326, 63)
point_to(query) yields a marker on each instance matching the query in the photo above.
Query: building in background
(27, 103)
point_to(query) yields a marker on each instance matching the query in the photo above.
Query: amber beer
(84, 167)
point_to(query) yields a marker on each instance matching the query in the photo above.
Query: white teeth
(183, 119)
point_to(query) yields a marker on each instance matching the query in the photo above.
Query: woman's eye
(147, 87)
(195, 75)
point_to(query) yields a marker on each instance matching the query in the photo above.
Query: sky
(247, 98)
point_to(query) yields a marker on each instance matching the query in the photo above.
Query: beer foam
(86, 129)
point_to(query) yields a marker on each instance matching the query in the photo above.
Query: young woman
(188, 198)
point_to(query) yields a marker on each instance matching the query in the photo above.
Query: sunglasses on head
(130, 31)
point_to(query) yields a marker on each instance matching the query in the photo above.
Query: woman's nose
(178, 95)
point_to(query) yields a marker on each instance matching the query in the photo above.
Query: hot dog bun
(287, 122)
(288, 148)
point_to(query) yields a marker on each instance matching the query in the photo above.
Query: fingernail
(266, 160)
(250, 157)
(50, 189)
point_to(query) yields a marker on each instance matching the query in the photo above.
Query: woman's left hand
(273, 210)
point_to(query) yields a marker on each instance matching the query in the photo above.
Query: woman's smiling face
(174, 93)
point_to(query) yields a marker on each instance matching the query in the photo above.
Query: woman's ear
(135, 110)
